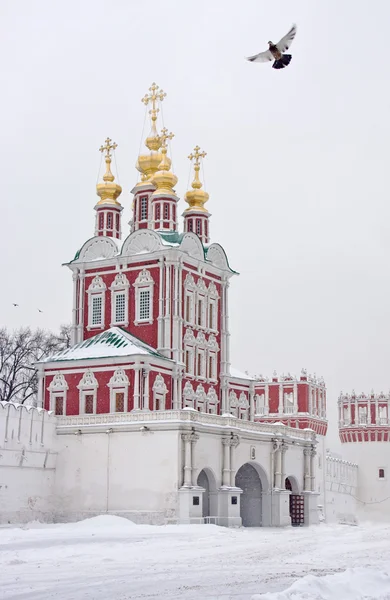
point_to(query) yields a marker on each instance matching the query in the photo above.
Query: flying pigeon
(13, 304)
(39, 310)
(275, 51)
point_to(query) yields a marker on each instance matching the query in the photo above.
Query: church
(144, 416)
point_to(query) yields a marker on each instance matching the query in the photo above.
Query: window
(189, 308)
(190, 226)
(119, 401)
(200, 312)
(189, 360)
(109, 220)
(144, 305)
(362, 415)
(88, 404)
(198, 227)
(59, 405)
(166, 211)
(201, 363)
(212, 362)
(120, 307)
(158, 212)
(174, 213)
(212, 315)
(97, 305)
(117, 222)
(144, 208)
(101, 220)
(206, 229)
(381, 474)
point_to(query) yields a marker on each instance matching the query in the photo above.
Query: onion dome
(164, 180)
(196, 198)
(148, 164)
(108, 191)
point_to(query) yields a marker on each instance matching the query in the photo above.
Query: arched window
(109, 221)
(96, 303)
(144, 208)
(120, 300)
(188, 395)
(144, 297)
(119, 391)
(88, 393)
(190, 225)
(166, 211)
(160, 391)
(101, 220)
(158, 212)
(198, 227)
(58, 390)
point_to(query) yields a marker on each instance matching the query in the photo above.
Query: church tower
(196, 216)
(108, 209)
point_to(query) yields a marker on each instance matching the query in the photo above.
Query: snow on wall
(341, 480)
(27, 463)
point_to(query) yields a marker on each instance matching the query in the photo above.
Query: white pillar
(356, 412)
(175, 325)
(136, 387)
(160, 318)
(280, 409)
(233, 443)
(277, 464)
(73, 335)
(252, 401)
(226, 462)
(312, 469)
(283, 450)
(266, 398)
(186, 437)
(80, 326)
(145, 376)
(167, 328)
(295, 397)
(40, 395)
(194, 439)
(369, 411)
(306, 470)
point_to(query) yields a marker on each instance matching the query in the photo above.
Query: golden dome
(196, 198)
(148, 163)
(164, 179)
(108, 191)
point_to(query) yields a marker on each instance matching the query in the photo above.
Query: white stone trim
(160, 391)
(144, 282)
(119, 382)
(97, 289)
(120, 285)
(58, 387)
(88, 385)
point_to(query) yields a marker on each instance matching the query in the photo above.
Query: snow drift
(352, 584)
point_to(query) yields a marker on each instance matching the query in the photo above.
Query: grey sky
(296, 168)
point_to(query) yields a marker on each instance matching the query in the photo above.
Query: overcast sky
(297, 164)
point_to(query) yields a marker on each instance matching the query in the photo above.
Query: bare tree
(19, 351)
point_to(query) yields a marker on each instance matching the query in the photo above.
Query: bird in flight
(13, 304)
(39, 310)
(275, 51)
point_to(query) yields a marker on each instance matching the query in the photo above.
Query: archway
(247, 478)
(297, 501)
(206, 480)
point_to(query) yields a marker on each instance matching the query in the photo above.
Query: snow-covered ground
(110, 558)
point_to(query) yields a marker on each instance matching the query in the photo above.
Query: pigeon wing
(286, 41)
(262, 57)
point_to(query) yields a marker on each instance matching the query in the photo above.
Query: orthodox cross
(196, 156)
(155, 94)
(165, 136)
(108, 147)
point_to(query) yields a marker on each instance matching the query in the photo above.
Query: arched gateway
(254, 506)
(206, 480)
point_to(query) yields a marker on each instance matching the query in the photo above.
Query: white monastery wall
(27, 463)
(373, 491)
(133, 474)
(341, 481)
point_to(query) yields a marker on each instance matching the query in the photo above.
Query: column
(295, 397)
(175, 341)
(312, 469)
(266, 399)
(40, 395)
(226, 462)
(280, 409)
(377, 411)
(233, 443)
(187, 480)
(180, 313)
(194, 439)
(167, 328)
(349, 410)
(251, 401)
(73, 335)
(283, 450)
(277, 464)
(137, 369)
(160, 318)
(369, 411)
(80, 325)
(224, 395)
(145, 375)
(306, 470)
(356, 412)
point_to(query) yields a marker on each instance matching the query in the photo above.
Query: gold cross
(155, 94)
(165, 136)
(108, 147)
(197, 155)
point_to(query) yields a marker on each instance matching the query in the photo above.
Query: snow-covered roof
(113, 342)
(240, 375)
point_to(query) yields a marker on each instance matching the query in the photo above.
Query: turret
(196, 216)
(108, 209)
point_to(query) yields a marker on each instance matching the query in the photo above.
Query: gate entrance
(248, 480)
(297, 505)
